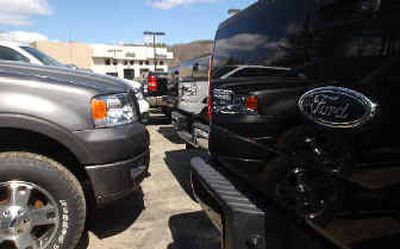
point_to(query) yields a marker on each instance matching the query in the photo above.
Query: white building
(125, 61)
(128, 61)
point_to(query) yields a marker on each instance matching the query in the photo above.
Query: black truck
(305, 140)
(70, 142)
(160, 91)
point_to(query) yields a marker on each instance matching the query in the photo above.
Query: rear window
(261, 36)
(276, 38)
(194, 70)
(186, 71)
(200, 72)
(159, 74)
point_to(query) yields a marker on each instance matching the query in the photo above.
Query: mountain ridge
(185, 51)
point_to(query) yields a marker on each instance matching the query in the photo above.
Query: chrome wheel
(29, 216)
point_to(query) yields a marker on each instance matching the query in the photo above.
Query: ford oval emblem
(337, 107)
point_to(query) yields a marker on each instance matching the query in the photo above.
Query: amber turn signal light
(99, 109)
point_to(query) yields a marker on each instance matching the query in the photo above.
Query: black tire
(60, 183)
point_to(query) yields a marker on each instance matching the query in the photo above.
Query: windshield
(42, 57)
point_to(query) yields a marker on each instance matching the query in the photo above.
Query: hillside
(190, 50)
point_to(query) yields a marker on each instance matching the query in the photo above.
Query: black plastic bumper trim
(244, 222)
(116, 180)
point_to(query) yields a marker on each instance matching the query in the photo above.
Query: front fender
(46, 128)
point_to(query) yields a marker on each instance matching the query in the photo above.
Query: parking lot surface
(165, 217)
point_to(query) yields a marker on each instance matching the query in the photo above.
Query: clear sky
(112, 21)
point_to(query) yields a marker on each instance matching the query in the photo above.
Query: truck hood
(79, 78)
(133, 84)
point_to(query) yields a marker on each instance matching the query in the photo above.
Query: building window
(125, 63)
(161, 63)
(132, 62)
(144, 72)
(115, 62)
(141, 63)
(115, 74)
(147, 63)
(107, 61)
(129, 74)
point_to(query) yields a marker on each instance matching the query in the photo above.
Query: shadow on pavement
(193, 231)
(178, 162)
(84, 241)
(114, 218)
(158, 121)
(169, 133)
(118, 216)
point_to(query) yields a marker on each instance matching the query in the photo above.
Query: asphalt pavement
(162, 215)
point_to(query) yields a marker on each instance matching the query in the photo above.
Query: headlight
(113, 110)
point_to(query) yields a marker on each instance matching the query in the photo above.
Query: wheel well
(24, 140)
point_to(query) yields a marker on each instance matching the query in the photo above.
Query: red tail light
(152, 83)
(251, 103)
(209, 90)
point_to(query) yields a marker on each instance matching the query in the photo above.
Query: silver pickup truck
(190, 118)
(70, 141)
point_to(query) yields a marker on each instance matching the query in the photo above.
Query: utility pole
(154, 36)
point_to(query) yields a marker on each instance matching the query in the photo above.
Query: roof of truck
(13, 44)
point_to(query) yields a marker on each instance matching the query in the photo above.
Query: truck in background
(190, 117)
(156, 91)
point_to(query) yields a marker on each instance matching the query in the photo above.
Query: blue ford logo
(337, 107)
